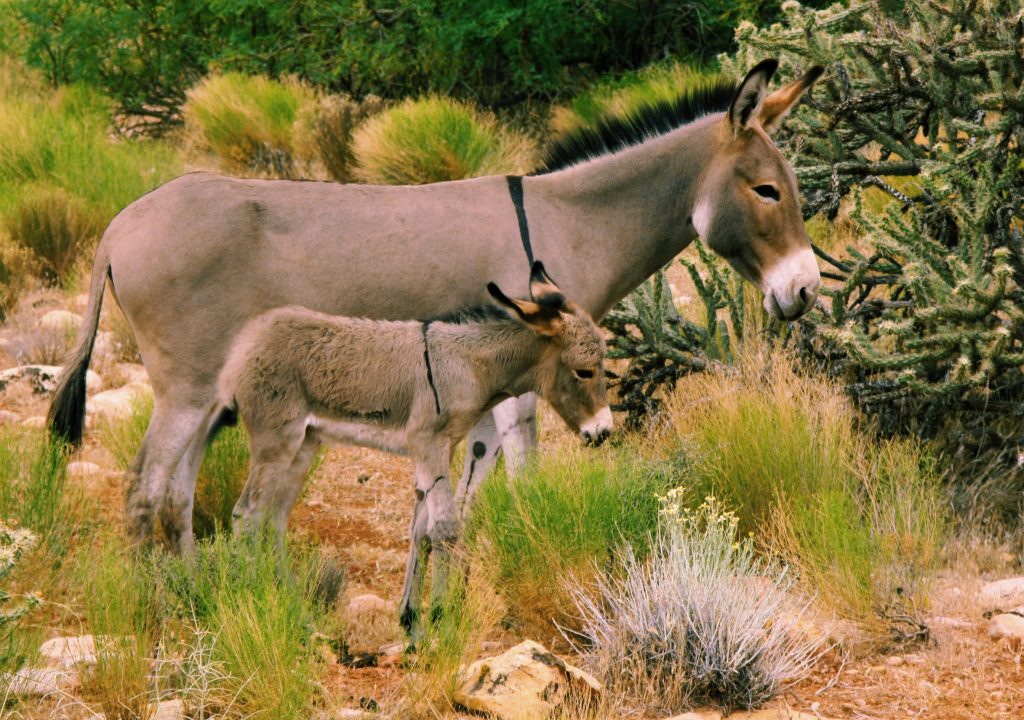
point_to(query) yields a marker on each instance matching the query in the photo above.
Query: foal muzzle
(597, 429)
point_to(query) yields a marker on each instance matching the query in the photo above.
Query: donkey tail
(66, 418)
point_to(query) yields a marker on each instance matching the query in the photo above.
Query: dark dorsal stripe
(515, 189)
(613, 133)
(430, 372)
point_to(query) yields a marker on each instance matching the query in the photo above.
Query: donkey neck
(606, 225)
(501, 356)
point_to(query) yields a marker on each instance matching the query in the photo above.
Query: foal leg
(271, 488)
(516, 420)
(435, 526)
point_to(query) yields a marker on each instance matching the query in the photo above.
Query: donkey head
(747, 207)
(570, 372)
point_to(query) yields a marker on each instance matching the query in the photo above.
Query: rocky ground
(357, 508)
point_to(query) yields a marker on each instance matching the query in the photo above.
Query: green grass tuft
(565, 516)
(436, 139)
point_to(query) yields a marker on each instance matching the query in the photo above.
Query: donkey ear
(777, 105)
(543, 289)
(543, 320)
(747, 102)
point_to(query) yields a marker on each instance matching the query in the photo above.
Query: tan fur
(298, 378)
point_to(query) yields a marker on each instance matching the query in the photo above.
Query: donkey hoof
(407, 618)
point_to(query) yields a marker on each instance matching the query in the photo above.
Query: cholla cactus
(918, 118)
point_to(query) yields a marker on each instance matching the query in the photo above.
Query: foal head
(747, 207)
(570, 372)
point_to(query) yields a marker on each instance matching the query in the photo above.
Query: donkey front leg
(516, 420)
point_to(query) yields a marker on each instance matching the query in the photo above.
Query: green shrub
(15, 641)
(250, 123)
(703, 621)
(34, 494)
(565, 516)
(123, 608)
(261, 609)
(435, 139)
(862, 521)
(623, 96)
(56, 227)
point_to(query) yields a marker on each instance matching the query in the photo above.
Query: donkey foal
(298, 378)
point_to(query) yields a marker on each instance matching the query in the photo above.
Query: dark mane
(613, 133)
(470, 315)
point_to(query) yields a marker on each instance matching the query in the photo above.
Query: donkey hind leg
(170, 431)
(483, 446)
(280, 461)
(176, 512)
(516, 420)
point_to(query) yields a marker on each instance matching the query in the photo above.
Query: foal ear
(543, 289)
(777, 105)
(543, 320)
(747, 102)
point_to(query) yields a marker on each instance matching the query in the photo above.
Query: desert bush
(863, 522)
(920, 107)
(250, 122)
(17, 268)
(703, 621)
(562, 515)
(30, 343)
(329, 132)
(435, 139)
(15, 642)
(123, 608)
(261, 609)
(55, 226)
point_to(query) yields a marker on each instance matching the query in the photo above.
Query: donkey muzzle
(791, 286)
(597, 429)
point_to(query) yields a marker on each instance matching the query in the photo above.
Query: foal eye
(584, 374)
(769, 192)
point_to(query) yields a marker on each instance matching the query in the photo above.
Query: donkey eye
(769, 192)
(584, 374)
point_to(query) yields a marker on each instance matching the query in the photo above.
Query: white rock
(1007, 626)
(42, 379)
(115, 404)
(1002, 594)
(169, 710)
(353, 713)
(60, 321)
(84, 469)
(38, 682)
(67, 652)
(524, 683)
(698, 715)
(36, 423)
(364, 604)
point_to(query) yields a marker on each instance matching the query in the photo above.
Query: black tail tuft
(67, 412)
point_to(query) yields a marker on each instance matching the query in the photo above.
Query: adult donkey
(192, 261)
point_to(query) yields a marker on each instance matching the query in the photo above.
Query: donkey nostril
(803, 295)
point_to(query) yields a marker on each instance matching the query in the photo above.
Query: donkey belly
(368, 435)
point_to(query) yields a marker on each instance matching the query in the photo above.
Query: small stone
(1002, 594)
(60, 321)
(1008, 626)
(895, 661)
(36, 423)
(38, 682)
(67, 652)
(353, 713)
(698, 715)
(169, 710)
(133, 373)
(9, 418)
(364, 604)
(490, 646)
(84, 469)
(524, 683)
